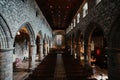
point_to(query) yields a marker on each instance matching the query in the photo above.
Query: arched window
(78, 17)
(98, 1)
(71, 26)
(59, 40)
(85, 9)
(74, 22)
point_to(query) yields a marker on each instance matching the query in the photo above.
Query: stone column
(48, 48)
(32, 50)
(113, 63)
(71, 46)
(78, 50)
(6, 64)
(74, 50)
(39, 52)
(44, 48)
(86, 54)
(71, 50)
(89, 54)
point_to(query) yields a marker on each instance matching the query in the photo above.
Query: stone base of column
(6, 65)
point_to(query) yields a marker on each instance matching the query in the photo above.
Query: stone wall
(18, 12)
(15, 15)
(104, 16)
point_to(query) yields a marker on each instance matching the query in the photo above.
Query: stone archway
(94, 44)
(21, 51)
(5, 34)
(95, 50)
(39, 46)
(113, 51)
(24, 44)
(59, 39)
(98, 51)
(6, 50)
(48, 44)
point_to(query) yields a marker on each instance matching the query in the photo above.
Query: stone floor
(59, 70)
(22, 71)
(59, 73)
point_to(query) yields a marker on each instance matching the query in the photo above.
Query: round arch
(59, 39)
(24, 44)
(114, 34)
(39, 46)
(91, 31)
(5, 50)
(5, 35)
(26, 28)
(113, 50)
(30, 31)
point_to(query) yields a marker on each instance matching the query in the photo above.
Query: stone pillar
(32, 54)
(41, 51)
(74, 50)
(78, 50)
(48, 47)
(71, 48)
(86, 52)
(89, 54)
(44, 48)
(113, 63)
(6, 64)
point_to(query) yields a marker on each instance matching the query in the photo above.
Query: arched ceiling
(59, 13)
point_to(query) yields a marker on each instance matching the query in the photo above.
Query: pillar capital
(32, 45)
(6, 49)
(41, 44)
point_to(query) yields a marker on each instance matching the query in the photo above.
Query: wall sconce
(18, 33)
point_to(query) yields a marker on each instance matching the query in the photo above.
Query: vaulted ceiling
(59, 13)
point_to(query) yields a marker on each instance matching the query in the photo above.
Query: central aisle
(59, 69)
(56, 66)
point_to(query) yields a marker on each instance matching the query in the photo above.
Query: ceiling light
(59, 11)
(67, 6)
(59, 7)
(51, 6)
(59, 15)
(51, 11)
